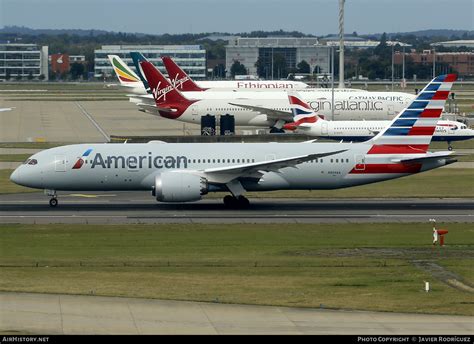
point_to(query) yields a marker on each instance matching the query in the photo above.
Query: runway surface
(69, 314)
(140, 207)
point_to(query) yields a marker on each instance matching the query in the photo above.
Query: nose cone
(16, 176)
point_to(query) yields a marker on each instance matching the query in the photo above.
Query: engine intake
(179, 187)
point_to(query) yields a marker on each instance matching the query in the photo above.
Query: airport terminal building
(249, 50)
(19, 60)
(191, 58)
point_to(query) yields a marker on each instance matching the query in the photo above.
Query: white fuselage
(364, 130)
(253, 85)
(348, 105)
(135, 166)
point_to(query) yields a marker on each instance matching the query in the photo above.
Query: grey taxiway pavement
(140, 207)
(28, 313)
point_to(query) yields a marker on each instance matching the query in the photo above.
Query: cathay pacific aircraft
(306, 121)
(183, 172)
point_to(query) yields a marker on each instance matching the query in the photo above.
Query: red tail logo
(179, 78)
(165, 95)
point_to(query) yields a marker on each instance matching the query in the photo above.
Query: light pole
(272, 64)
(403, 67)
(392, 67)
(341, 43)
(434, 62)
(332, 83)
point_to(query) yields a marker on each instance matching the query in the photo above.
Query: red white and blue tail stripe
(412, 130)
(302, 112)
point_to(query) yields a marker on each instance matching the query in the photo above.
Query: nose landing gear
(53, 201)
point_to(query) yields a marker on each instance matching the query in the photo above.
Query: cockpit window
(33, 162)
(26, 161)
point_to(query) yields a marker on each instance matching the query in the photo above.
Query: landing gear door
(60, 163)
(360, 162)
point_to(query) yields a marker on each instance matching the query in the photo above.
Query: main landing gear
(239, 202)
(53, 201)
(450, 148)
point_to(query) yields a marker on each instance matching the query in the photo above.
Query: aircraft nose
(16, 176)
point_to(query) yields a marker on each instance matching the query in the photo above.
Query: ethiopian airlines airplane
(306, 121)
(183, 172)
(183, 82)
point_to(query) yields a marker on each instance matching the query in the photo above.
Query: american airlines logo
(139, 161)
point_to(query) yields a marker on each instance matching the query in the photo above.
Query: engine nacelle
(179, 187)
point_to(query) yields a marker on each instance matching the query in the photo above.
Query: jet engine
(179, 187)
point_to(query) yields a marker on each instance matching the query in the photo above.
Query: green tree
(317, 69)
(261, 68)
(30, 76)
(237, 69)
(219, 71)
(8, 75)
(279, 66)
(303, 67)
(41, 77)
(77, 69)
(18, 77)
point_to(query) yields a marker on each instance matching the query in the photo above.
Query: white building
(468, 43)
(191, 58)
(248, 51)
(26, 60)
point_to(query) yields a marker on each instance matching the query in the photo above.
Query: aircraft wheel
(53, 202)
(450, 148)
(229, 201)
(243, 202)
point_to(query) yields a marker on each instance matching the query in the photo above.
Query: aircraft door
(360, 162)
(60, 163)
(391, 110)
(324, 128)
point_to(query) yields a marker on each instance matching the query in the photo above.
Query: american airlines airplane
(306, 121)
(270, 109)
(184, 172)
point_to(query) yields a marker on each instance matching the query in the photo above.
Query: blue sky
(318, 17)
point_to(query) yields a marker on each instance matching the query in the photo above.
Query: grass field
(349, 266)
(14, 157)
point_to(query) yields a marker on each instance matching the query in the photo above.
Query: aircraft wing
(223, 175)
(271, 113)
(153, 109)
(427, 157)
